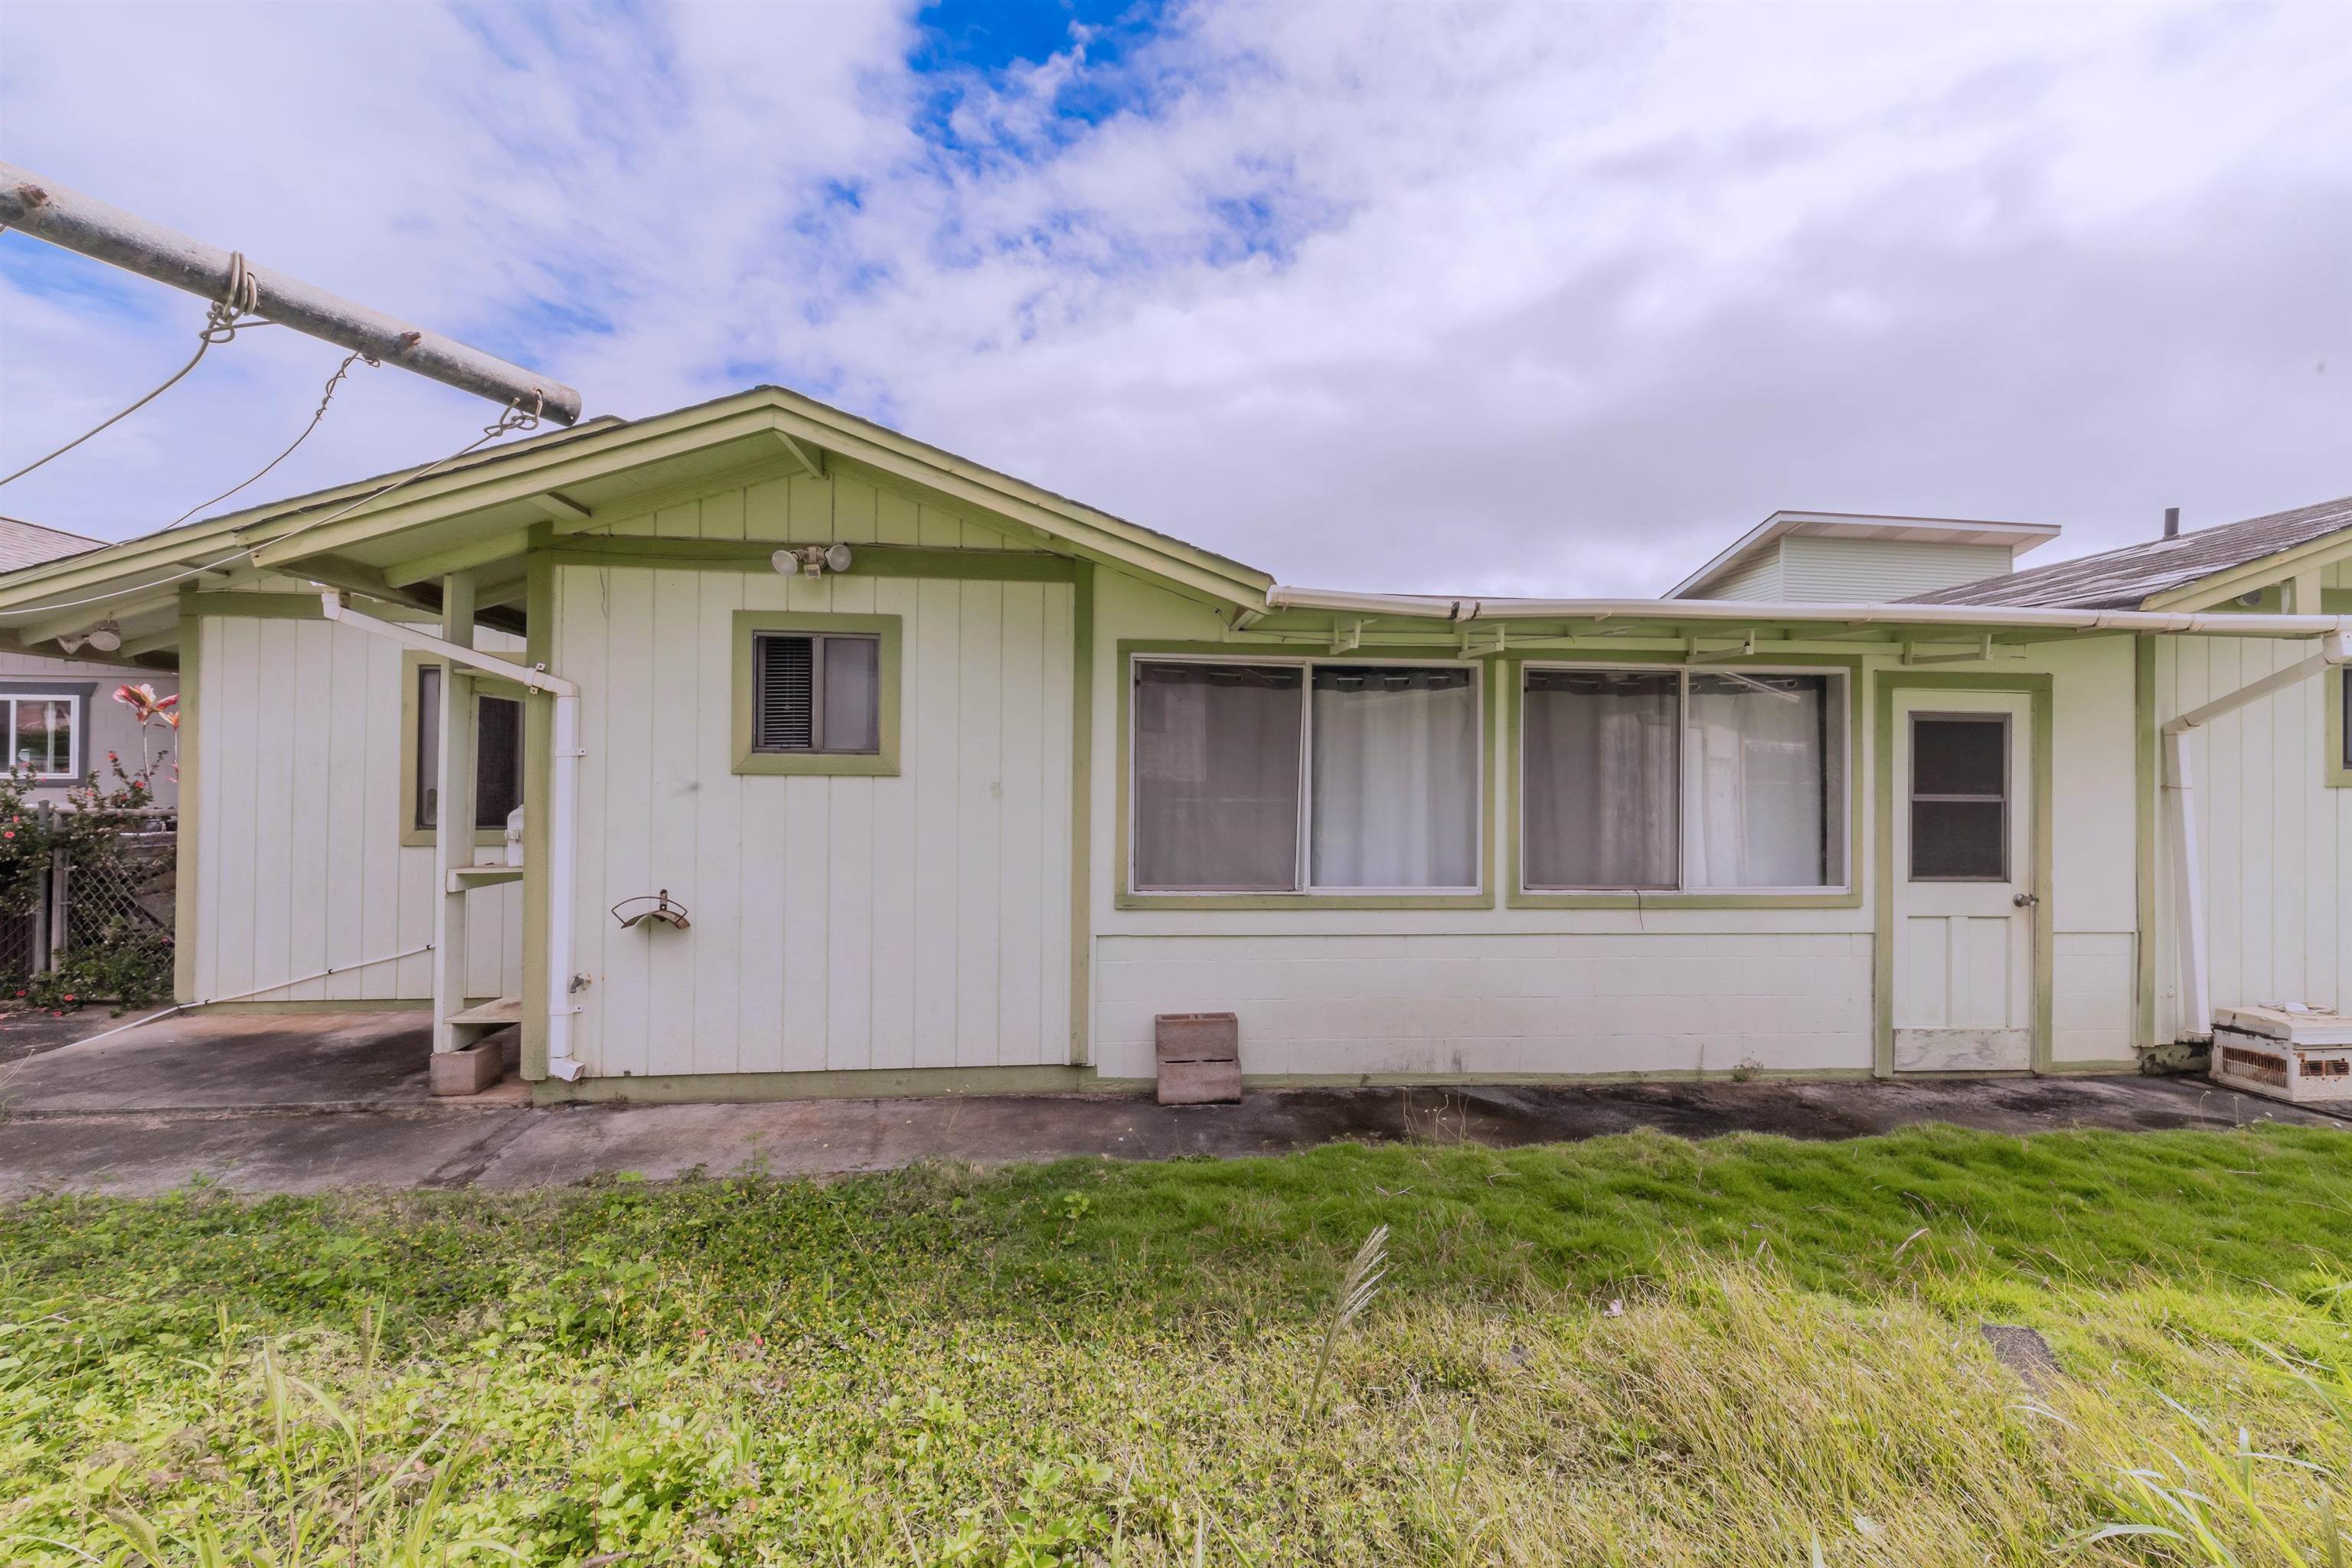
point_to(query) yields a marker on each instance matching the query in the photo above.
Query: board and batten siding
(2275, 841)
(299, 866)
(919, 921)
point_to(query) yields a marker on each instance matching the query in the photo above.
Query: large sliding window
(1305, 777)
(1673, 780)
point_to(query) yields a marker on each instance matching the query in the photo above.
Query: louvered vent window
(816, 693)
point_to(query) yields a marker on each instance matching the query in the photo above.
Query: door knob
(2026, 901)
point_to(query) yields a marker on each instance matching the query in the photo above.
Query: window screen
(816, 692)
(1959, 797)
(41, 736)
(498, 754)
(1216, 776)
(1601, 759)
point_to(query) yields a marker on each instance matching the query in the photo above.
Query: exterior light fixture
(813, 560)
(106, 636)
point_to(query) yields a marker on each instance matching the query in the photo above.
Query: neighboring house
(2273, 780)
(849, 766)
(57, 698)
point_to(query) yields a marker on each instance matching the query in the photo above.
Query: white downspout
(562, 808)
(562, 857)
(2188, 885)
(2180, 802)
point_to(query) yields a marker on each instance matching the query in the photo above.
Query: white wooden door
(1964, 884)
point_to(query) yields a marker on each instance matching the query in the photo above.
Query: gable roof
(2018, 536)
(25, 544)
(2136, 575)
(482, 507)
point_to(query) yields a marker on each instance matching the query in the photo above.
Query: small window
(41, 732)
(1305, 777)
(816, 692)
(1959, 797)
(498, 755)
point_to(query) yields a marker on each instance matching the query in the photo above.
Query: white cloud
(1573, 295)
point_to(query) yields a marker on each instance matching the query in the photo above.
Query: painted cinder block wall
(1502, 992)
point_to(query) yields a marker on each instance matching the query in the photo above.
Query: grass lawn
(1631, 1350)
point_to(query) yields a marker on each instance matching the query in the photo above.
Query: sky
(1554, 299)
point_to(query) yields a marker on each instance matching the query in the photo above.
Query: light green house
(967, 802)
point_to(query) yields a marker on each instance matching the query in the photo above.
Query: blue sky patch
(39, 267)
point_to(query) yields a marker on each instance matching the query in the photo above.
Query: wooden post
(453, 832)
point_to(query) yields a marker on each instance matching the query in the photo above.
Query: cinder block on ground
(1199, 1057)
(468, 1071)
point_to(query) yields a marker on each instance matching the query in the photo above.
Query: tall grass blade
(1357, 1289)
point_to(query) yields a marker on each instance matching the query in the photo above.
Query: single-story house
(846, 765)
(58, 686)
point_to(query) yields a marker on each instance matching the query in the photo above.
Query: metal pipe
(563, 850)
(563, 810)
(256, 991)
(527, 675)
(2180, 812)
(72, 221)
(1755, 613)
(2188, 886)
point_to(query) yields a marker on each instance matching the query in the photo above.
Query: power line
(222, 323)
(333, 381)
(513, 419)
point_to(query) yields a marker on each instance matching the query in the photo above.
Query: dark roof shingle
(31, 543)
(2128, 578)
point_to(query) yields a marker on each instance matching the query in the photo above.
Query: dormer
(1853, 558)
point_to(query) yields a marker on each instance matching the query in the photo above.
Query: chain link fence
(104, 912)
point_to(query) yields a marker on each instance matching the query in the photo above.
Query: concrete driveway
(305, 1103)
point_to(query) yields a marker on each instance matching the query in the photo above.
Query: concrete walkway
(305, 1103)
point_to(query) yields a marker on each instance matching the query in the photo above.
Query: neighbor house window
(498, 754)
(41, 731)
(1676, 779)
(1305, 777)
(816, 692)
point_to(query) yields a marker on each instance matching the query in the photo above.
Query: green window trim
(1124, 894)
(881, 762)
(410, 836)
(2337, 757)
(1849, 896)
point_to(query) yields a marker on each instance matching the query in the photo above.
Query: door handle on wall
(2026, 901)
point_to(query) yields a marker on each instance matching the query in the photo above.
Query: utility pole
(75, 222)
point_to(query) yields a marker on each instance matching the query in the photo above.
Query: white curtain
(1599, 790)
(1766, 760)
(1395, 777)
(1216, 777)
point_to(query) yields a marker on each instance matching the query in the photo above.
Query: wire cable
(333, 381)
(223, 322)
(512, 419)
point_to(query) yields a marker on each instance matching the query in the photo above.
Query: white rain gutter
(563, 806)
(2180, 808)
(1746, 612)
